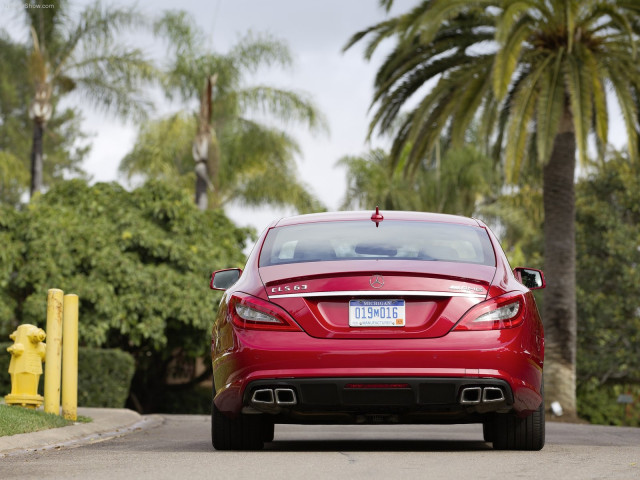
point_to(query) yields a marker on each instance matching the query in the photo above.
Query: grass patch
(14, 420)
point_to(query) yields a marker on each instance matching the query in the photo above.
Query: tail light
(505, 311)
(254, 313)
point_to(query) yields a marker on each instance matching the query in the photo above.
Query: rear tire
(245, 432)
(268, 429)
(513, 433)
(488, 431)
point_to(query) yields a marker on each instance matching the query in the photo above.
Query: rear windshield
(392, 240)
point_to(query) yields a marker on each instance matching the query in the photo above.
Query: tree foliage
(139, 261)
(251, 159)
(78, 54)
(608, 278)
(455, 184)
(608, 255)
(63, 138)
(257, 163)
(85, 54)
(536, 71)
(608, 274)
(517, 217)
(516, 62)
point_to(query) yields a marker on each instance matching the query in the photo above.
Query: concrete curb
(107, 423)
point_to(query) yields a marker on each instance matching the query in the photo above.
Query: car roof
(366, 215)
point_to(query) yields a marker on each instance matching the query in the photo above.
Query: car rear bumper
(376, 400)
(415, 380)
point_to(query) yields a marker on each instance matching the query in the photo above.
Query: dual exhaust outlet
(477, 395)
(287, 396)
(275, 396)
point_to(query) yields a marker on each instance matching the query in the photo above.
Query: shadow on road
(377, 446)
(330, 446)
(192, 435)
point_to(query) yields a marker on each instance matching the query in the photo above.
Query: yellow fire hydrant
(25, 368)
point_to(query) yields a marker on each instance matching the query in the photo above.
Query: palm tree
(537, 71)
(455, 184)
(223, 149)
(256, 163)
(83, 56)
(65, 142)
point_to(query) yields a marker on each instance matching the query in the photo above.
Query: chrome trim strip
(380, 293)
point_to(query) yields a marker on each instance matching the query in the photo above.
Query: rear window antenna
(377, 217)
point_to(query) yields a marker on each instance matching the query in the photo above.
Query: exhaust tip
(263, 396)
(285, 396)
(471, 396)
(492, 394)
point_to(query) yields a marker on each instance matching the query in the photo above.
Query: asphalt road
(180, 448)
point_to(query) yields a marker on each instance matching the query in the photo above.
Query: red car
(360, 318)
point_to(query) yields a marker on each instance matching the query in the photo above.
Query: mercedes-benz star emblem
(376, 281)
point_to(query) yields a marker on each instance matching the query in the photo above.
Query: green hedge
(599, 403)
(5, 379)
(192, 401)
(104, 376)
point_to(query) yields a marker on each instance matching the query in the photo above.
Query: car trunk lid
(435, 294)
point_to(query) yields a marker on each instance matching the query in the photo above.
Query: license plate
(376, 313)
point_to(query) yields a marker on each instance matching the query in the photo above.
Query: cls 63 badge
(288, 288)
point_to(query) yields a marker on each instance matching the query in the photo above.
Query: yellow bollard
(25, 368)
(53, 358)
(70, 358)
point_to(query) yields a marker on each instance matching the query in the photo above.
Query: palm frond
(162, 149)
(511, 19)
(97, 26)
(550, 107)
(285, 105)
(477, 84)
(177, 27)
(521, 114)
(439, 12)
(382, 31)
(601, 114)
(580, 96)
(507, 57)
(627, 106)
(113, 81)
(254, 51)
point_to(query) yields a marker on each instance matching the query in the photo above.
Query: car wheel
(245, 432)
(513, 433)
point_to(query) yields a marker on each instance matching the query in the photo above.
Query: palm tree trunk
(213, 165)
(559, 309)
(201, 191)
(36, 158)
(202, 145)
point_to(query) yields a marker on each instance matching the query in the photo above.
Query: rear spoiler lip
(379, 293)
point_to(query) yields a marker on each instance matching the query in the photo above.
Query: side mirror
(530, 277)
(223, 279)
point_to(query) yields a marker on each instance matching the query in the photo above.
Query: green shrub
(194, 401)
(599, 403)
(104, 376)
(5, 378)
(140, 263)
